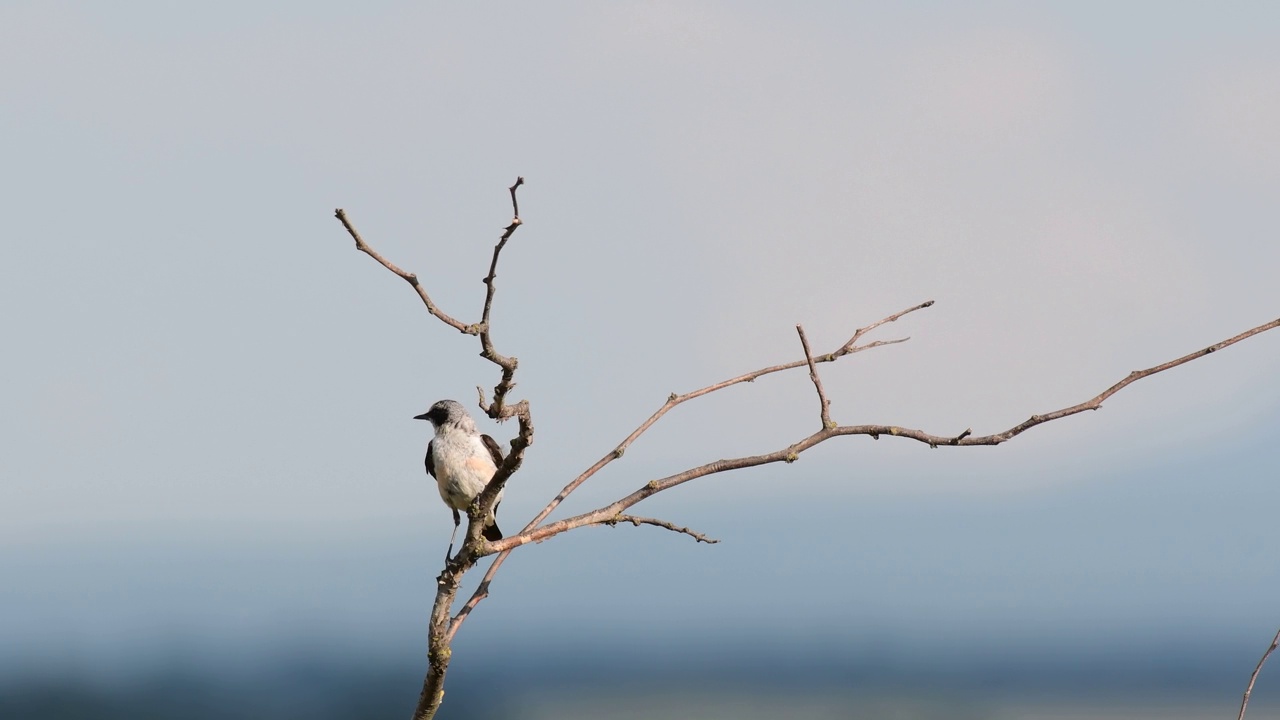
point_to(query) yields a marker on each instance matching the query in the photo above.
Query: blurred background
(212, 501)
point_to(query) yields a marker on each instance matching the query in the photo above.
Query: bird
(462, 461)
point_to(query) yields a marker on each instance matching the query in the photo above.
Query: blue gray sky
(208, 391)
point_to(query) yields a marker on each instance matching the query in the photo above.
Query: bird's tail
(492, 533)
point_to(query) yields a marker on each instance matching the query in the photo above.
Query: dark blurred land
(733, 680)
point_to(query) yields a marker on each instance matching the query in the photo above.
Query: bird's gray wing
(431, 464)
(495, 452)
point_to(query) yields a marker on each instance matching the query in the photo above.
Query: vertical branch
(817, 381)
(507, 232)
(438, 644)
(442, 627)
(515, 205)
(1244, 703)
(498, 409)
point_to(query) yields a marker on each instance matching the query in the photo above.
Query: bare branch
(876, 344)
(817, 381)
(857, 335)
(408, 277)
(515, 206)
(498, 409)
(481, 592)
(792, 452)
(1244, 703)
(673, 400)
(638, 521)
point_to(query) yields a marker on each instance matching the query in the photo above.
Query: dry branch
(443, 628)
(408, 277)
(793, 451)
(673, 400)
(1244, 703)
(638, 521)
(823, 402)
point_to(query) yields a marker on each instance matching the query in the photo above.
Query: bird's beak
(423, 416)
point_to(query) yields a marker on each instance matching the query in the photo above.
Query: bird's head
(446, 412)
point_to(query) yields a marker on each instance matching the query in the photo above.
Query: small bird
(462, 461)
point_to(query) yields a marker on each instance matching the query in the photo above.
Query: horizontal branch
(793, 451)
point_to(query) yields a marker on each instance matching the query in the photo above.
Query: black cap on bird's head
(444, 411)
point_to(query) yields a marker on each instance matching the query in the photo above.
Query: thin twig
(1244, 703)
(481, 592)
(825, 404)
(408, 277)
(638, 521)
(515, 205)
(498, 409)
(857, 335)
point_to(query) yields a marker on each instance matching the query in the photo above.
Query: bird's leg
(456, 522)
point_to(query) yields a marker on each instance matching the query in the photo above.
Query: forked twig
(673, 400)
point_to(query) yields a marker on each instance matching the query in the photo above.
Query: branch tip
(637, 521)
